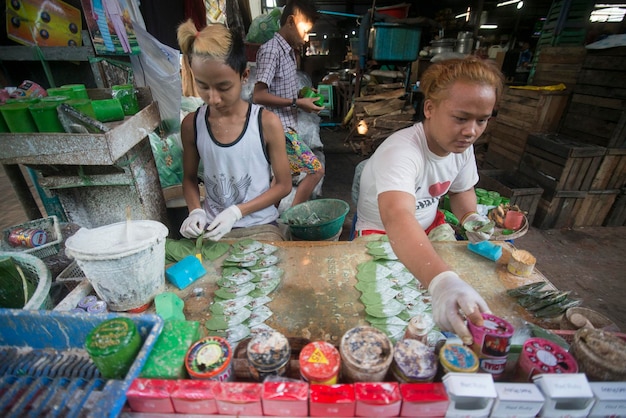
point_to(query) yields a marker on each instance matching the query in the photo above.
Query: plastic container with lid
(210, 358)
(413, 362)
(493, 338)
(320, 363)
(268, 354)
(113, 346)
(419, 326)
(366, 354)
(540, 356)
(458, 358)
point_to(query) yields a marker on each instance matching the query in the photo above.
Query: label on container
(540, 356)
(319, 363)
(29, 238)
(210, 358)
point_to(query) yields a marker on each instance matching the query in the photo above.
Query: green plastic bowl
(316, 220)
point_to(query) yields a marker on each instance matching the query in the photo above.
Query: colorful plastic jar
(458, 358)
(268, 355)
(413, 362)
(366, 354)
(210, 358)
(539, 356)
(492, 342)
(113, 346)
(320, 363)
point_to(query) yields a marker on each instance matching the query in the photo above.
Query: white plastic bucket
(124, 262)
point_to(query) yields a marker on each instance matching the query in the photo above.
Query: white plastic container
(124, 261)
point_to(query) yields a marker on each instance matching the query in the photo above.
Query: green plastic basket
(37, 273)
(316, 220)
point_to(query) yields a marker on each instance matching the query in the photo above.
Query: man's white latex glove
(450, 295)
(223, 223)
(482, 234)
(194, 225)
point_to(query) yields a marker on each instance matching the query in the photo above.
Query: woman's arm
(407, 237)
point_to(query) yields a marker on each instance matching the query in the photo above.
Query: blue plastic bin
(46, 371)
(394, 42)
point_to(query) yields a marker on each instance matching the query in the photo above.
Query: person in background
(402, 182)
(525, 56)
(239, 144)
(277, 89)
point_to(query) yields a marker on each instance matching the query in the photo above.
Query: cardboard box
(566, 395)
(151, 395)
(332, 400)
(423, 400)
(471, 394)
(194, 397)
(517, 400)
(285, 399)
(377, 399)
(234, 398)
(610, 399)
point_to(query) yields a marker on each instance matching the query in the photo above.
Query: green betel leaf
(391, 308)
(246, 246)
(378, 298)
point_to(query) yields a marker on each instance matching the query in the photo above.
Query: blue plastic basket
(46, 371)
(395, 42)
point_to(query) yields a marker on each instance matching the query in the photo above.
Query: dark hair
(306, 7)
(214, 41)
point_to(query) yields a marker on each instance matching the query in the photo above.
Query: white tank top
(237, 172)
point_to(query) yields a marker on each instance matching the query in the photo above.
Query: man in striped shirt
(277, 89)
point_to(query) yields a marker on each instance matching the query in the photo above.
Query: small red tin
(29, 238)
(151, 395)
(541, 356)
(319, 363)
(377, 399)
(194, 397)
(285, 399)
(332, 400)
(424, 399)
(238, 398)
(493, 338)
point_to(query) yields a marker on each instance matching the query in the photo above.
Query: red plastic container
(194, 397)
(151, 395)
(331, 400)
(285, 399)
(377, 399)
(319, 363)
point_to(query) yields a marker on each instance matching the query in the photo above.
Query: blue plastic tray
(46, 371)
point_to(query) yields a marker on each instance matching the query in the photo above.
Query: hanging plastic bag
(158, 67)
(263, 27)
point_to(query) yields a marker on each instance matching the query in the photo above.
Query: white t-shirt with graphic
(404, 163)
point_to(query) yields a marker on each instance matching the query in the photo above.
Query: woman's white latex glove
(478, 236)
(451, 295)
(223, 223)
(194, 225)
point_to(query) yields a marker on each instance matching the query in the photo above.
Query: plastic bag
(158, 67)
(263, 27)
(168, 156)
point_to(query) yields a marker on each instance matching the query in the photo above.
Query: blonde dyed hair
(213, 42)
(439, 77)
